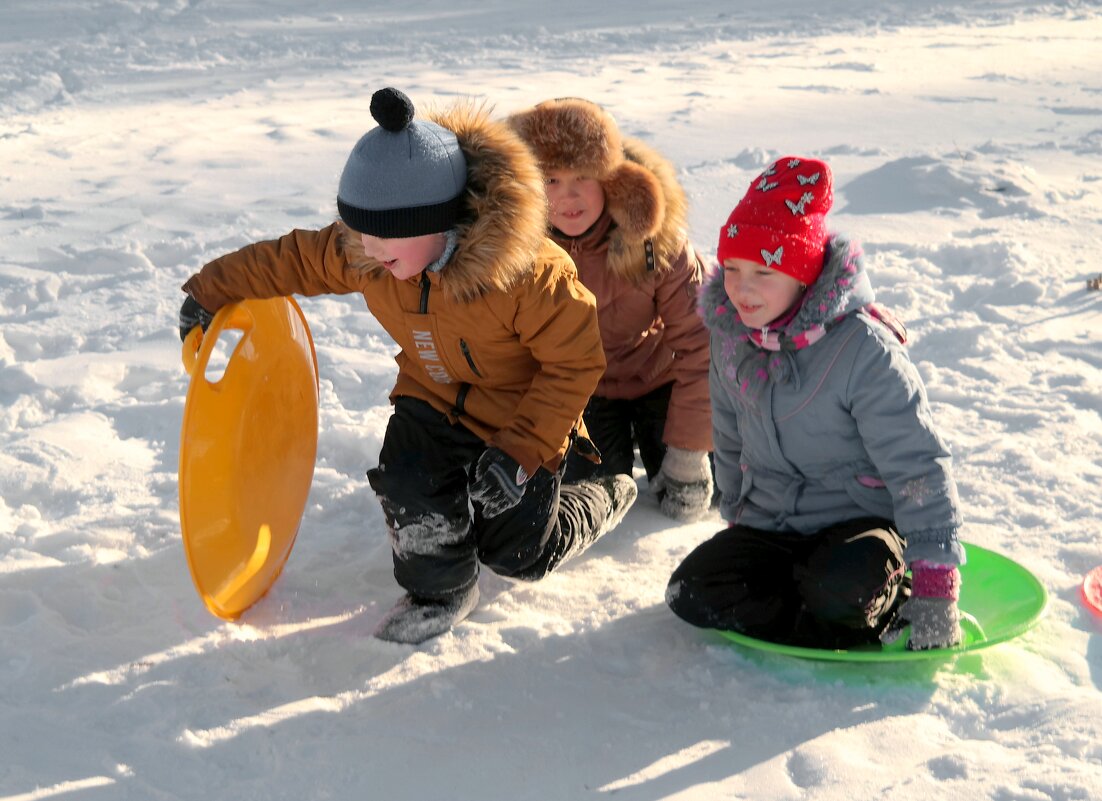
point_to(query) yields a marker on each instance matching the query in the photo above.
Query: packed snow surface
(142, 138)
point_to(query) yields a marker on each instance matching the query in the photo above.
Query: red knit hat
(780, 220)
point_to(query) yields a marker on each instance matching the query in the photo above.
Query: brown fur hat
(574, 134)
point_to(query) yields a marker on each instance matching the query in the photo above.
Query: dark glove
(191, 315)
(931, 610)
(498, 483)
(684, 484)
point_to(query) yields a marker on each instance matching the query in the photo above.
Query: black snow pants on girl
(425, 467)
(837, 588)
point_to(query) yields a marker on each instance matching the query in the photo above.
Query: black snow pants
(425, 466)
(833, 589)
(616, 427)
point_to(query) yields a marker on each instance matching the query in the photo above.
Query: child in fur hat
(442, 229)
(617, 209)
(834, 480)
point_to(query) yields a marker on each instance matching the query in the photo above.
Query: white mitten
(684, 484)
(932, 608)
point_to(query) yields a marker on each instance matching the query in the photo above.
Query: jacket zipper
(467, 355)
(425, 284)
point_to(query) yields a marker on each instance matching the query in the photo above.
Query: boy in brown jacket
(617, 208)
(442, 230)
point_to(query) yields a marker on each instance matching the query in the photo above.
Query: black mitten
(191, 315)
(498, 482)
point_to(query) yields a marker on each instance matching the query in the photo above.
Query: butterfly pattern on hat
(801, 207)
(774, 257)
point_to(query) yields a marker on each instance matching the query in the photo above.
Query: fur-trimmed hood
(506, 219)
(627, 229)
(642, 195)
(669, 233)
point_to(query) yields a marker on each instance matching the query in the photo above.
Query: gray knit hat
(403, 178)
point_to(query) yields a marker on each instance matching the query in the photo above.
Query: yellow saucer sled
(247, 449)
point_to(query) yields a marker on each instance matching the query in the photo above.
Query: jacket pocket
(869, 493)
(465, 349)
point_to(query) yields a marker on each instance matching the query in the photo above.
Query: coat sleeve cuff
(939, 546)
(526, 458)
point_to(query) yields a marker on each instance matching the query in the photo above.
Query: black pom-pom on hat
(392, 109)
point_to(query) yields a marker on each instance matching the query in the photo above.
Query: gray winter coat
(836, 430)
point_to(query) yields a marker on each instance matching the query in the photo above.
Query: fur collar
(506, 220)
(843, 287)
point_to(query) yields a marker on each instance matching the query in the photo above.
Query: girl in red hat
(834, 480)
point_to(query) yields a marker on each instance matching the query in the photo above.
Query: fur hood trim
(505, 222)
(633, 208)
(642, 193)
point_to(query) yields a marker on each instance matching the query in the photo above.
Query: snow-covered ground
(140, 138)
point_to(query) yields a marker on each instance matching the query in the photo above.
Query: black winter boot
(415, 619)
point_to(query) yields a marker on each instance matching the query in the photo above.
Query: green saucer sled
(999, 599)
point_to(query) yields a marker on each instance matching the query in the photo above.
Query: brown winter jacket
(503, 339)
(650, 329)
